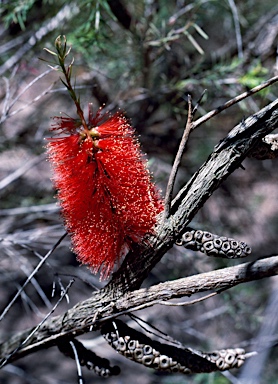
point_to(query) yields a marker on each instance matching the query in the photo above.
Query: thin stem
(61, 47)
(30, 277)
(237, 28)
(74, 97)
(19, 172)
(78, 365)
(173, 174)
(233, 101)
(34, 330)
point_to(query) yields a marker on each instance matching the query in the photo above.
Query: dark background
(143, 57)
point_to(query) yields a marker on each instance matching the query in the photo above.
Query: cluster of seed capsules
(140, 348)
(214, 245)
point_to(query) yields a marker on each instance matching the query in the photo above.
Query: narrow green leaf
(200, 31)
(51, 52)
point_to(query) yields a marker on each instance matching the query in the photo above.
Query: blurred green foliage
(164, 49)
(16, 12)
(255, 76)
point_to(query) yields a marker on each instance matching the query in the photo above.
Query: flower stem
(61, 47)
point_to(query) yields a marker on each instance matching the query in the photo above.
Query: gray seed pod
(197, 234)
(156, 363)
(147, 349)
(121, 344)
(217, 243)
(207, 236)
(164, 362)
(227, 358)
(189, 236)
(141, 349)
(103, 372)
(129, 354)
(208, 246)
(234, 244)
(131, 345)
(176, 368)
(148, 360)
(214, 245)
(138, 353)
(238, 252)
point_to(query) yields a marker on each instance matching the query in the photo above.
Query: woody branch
(120, 294)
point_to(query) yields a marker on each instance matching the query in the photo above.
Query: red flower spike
(107, 198)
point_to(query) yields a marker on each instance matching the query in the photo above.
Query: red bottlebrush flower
(107, 198)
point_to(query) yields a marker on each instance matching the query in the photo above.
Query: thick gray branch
(138, 263)
(215, 280)
(84, 315)
(226, 157)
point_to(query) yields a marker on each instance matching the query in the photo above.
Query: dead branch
(120, 295)
(220, 164)
(234, 101)
(215, 280)
(85, 316)
(174, 171)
